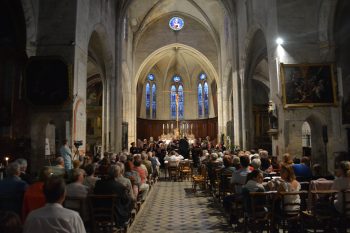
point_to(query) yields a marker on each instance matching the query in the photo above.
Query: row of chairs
(270, 211)
(179, 170)
(99, 211)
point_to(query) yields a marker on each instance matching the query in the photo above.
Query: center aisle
(172, 207)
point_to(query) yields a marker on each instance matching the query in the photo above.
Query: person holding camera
(66, 154)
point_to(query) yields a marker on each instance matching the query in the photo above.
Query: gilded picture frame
(308, 85)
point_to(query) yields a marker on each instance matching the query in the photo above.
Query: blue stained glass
(176, 79)
(206, 99)
(202, 76)
(150, 77)
(200, 100)
(148, 100)
(181, 101)
(176, 23)
(154, 101)
(173, 101)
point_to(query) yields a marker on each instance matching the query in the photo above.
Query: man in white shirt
(53, 217)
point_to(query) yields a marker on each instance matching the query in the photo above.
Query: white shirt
(341, 183)
(53, 218)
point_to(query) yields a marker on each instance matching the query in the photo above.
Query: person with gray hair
(23, 167)
(124, 203)
(119, 177)
(77, 188)
(256, 164)
(12, 187)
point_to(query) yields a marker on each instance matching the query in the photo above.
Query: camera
(78, 143)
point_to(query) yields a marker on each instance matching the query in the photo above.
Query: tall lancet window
(206, 100)
(173, 101)
(154, 101)
(148, 100)
(181, 101)
(203, 96)
(177, 97)
(151, 97)
(200, 100)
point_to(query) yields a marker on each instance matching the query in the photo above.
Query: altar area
(170, 133)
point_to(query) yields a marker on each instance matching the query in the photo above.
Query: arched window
(206, 100)
(148, 100)
(177, 91)
(203, 96)
(151, 97)
(200, 100)
(181, 101)
(154, 101)
(173, 101)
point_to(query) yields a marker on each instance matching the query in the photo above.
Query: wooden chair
(225, 187)
(173, 170)
(185, 169)
(320, 216)
(103, 213)
(259, 211)
(345, 214)
(290, 212)
(78, 204)
(200, 179)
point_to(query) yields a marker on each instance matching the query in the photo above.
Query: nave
(172, 207)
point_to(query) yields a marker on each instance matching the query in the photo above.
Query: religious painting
(308, 85)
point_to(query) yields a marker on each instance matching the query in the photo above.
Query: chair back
(103, 212)
(78, 204)
(346, 203)
(261, 204)
(291, 204)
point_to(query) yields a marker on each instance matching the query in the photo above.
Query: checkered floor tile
(171, 207)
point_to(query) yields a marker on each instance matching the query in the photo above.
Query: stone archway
(257, 94)
(187, 59)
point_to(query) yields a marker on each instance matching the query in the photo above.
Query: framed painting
(308, 85)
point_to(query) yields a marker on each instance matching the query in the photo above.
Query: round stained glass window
(150, 77)
(202, 77)
(176, 23)
(176, 79)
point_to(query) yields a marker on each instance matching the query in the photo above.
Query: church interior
(197, 81)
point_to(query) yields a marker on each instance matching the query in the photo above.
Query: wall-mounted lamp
(279, 41)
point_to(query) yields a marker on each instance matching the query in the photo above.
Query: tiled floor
(171, 207)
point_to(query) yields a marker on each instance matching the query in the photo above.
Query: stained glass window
(200, 100)
(202, 76)
(181, 101)
(206, 99)
(176, 79)
(154, 101)
(173, 101)
(148, 100)
(176, 23)
(150, 77)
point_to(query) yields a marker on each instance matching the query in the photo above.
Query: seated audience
(58, 169)
(53, 217)
(287, 159)
(144, 187)
(254, 182)
(34, 196)
(342, 182)
(10, 222)
(77, 188)
(119, 177)
(239, 176)
(287, 183)
(90, 179)
(12, 187)
(302, 169)
(24, 175)
(124, 203)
